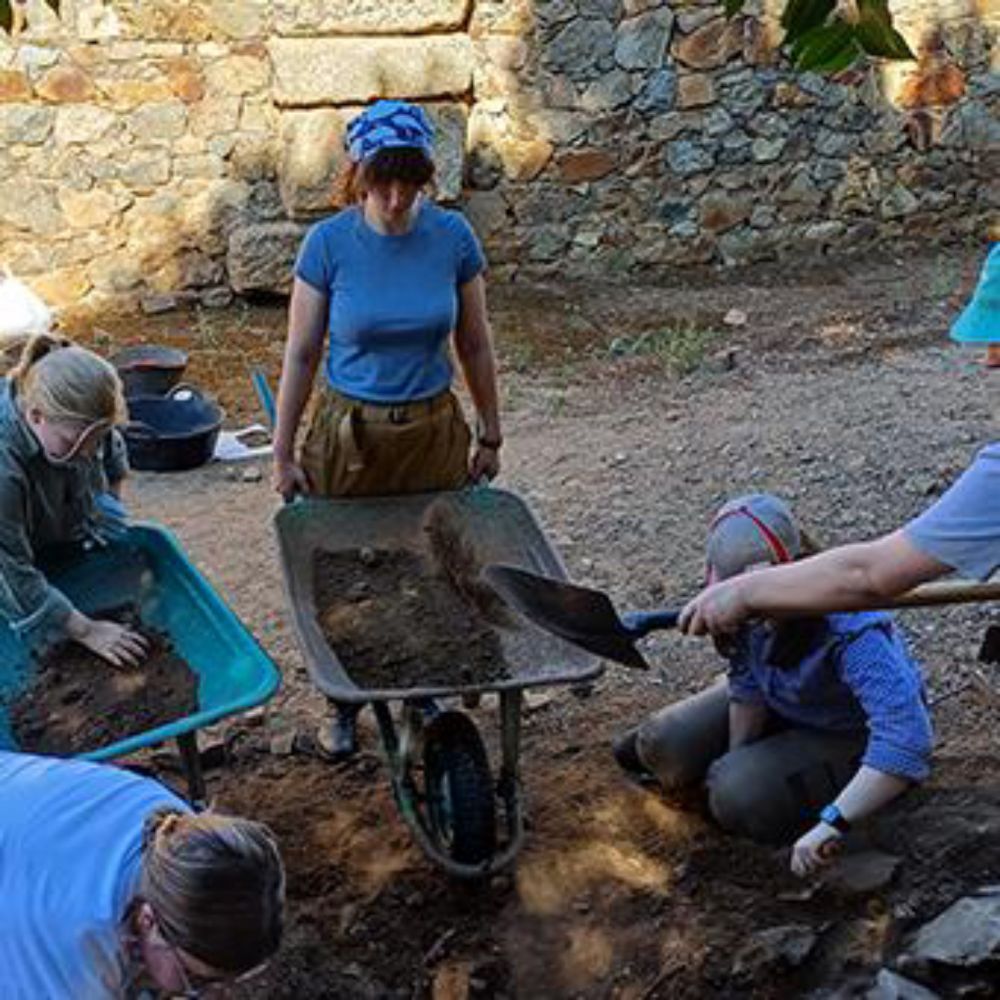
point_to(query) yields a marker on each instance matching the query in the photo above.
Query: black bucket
(149, 370)
(173, 432)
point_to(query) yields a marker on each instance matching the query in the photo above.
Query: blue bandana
(387, 125)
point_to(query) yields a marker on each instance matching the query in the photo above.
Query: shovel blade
(579, 615)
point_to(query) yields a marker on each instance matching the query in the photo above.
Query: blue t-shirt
(962, 530)
(856, 675)
(393, 300)
(70, 855)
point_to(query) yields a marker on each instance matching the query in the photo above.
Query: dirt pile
(395, 621)
(78, 702)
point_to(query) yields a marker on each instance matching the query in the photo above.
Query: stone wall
(162, 151)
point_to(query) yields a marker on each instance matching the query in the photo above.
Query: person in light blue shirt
(110, 885)
(818, 714)
(388, 287)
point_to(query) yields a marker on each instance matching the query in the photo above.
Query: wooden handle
(947, 592)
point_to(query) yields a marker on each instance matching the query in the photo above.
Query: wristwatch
(832, 816)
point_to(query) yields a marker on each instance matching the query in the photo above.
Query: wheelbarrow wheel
(461, 807)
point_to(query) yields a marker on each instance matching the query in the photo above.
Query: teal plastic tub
(149, 568)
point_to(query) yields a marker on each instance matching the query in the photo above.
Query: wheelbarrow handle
(640, 623)
(947, 592)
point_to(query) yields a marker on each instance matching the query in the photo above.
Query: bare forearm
(479, 368)
(848, 578)
(868, 791)
(293, 393)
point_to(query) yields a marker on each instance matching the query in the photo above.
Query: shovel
(588, 618)
(579, 615)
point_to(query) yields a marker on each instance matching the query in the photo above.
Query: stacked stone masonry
(168, 151)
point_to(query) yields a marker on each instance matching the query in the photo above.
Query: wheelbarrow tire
(461, 804)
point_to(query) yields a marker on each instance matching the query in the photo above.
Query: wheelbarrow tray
(149, 568)
(500, 528)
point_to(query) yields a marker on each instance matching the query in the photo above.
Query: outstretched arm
(848, 578)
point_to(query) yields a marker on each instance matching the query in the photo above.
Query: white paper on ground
(229, 447)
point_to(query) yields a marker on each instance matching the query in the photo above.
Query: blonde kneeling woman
(111, 886)
(61, 468)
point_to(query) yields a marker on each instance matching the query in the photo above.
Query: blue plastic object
(149, 568)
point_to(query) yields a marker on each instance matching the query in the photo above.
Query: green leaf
(733, 7)
(829, 48)
(875, 33)
(801, 16)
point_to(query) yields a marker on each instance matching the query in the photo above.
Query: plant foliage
(818, 35)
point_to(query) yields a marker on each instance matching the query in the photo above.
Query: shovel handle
(640, 623)
(947, 592)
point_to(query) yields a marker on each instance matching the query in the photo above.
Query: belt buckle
(398, 415)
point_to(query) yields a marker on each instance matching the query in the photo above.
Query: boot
(342, 741)
(627, 757)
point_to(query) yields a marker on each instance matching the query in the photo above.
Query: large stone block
(31, 206)
(25, 123)
(313, 153)
(368, 17)
(83, 124)
(261, 257)
(643, 40)
(311, 72)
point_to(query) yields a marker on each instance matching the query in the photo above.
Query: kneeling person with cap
(821, 721)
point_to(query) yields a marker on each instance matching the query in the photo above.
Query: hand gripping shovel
(577, 614)
(588, 618)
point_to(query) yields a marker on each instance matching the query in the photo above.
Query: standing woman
(111, 887)
(61, 468)
(389, 283)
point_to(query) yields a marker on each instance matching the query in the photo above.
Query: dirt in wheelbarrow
(397, 620)
(79, 702)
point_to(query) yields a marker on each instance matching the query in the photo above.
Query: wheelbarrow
(446, 792)
(148, 567)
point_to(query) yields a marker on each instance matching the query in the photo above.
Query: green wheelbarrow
(465, 819)
(148, 567)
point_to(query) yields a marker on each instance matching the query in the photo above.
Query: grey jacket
(41, 505)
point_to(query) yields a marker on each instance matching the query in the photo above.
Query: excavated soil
(394, 622)
(77, 702)
(838, 391)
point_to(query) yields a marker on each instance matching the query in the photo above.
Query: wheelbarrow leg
(187, 744)
(509, 780)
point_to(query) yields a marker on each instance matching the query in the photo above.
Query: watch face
(832, 816)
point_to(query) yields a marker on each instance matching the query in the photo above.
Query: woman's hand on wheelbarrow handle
(288, 478)
(640, 623)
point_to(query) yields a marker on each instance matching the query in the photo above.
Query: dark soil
(840, 394)
(78, 702)
(395, 621)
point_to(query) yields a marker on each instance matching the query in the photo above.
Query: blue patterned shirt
(855, 674)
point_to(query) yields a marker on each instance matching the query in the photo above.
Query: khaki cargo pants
(355, 449)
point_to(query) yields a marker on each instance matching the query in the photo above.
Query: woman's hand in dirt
(815, 849)
(719, 610)
(485, 463)
(117, 644)
(287, 478)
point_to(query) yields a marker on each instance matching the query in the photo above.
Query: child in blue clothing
(820, 717)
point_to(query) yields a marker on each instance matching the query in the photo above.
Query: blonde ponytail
(68, 383)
